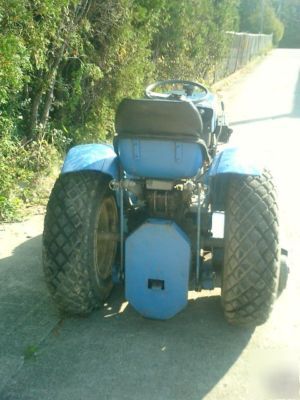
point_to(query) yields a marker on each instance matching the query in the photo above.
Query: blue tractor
(168, 208)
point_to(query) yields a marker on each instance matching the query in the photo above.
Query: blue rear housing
(162, 159)
(157, 252)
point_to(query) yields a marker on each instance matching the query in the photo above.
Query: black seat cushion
(171, 119)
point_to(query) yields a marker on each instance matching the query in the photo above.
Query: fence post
(243, 47)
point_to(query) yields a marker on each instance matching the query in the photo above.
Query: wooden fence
(243, 48)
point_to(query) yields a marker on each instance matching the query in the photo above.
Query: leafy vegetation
(260, 16)
(290, 13)
(66, 64)
(20, 168)
(30, 353)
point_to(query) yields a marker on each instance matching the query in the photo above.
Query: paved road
(117, 355)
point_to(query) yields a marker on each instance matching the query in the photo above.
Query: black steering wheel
(177, 89)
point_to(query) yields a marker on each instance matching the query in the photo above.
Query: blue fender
(92, 157)
(231, 160)
(236, 160)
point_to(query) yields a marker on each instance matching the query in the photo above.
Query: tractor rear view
(142, 212)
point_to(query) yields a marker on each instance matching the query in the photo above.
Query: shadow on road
(114, 353)
(27, 313)
(296, 107)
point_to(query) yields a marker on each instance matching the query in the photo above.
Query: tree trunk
(36, 100)
(47, 105)
(48, 80)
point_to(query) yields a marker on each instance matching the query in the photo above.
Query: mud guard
(93, 157)
(231, 160)
(236, 160)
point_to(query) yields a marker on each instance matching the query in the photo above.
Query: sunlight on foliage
(66, 64)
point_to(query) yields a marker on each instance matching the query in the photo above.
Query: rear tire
(252, 251)
(79, 241)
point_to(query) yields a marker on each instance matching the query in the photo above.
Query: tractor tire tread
(250, 276)
(65, 247)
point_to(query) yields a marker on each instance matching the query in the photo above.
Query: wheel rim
(106, 238)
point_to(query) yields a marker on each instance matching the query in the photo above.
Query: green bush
(259, 16)
(20, 167)
(66, 64)
(290, 12)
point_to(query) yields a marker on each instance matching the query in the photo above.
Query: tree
(259, 16)
(290, 12)
(191, 38)
(66, 64)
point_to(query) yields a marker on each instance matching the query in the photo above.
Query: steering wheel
(189, 90)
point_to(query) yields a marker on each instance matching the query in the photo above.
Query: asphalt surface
(115, 353)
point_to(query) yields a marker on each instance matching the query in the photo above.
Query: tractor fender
(93, 157)
(231, 160)
(237, 160)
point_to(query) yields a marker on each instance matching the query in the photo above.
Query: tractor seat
(159, 119)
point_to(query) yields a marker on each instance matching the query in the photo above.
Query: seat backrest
(171, 119)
